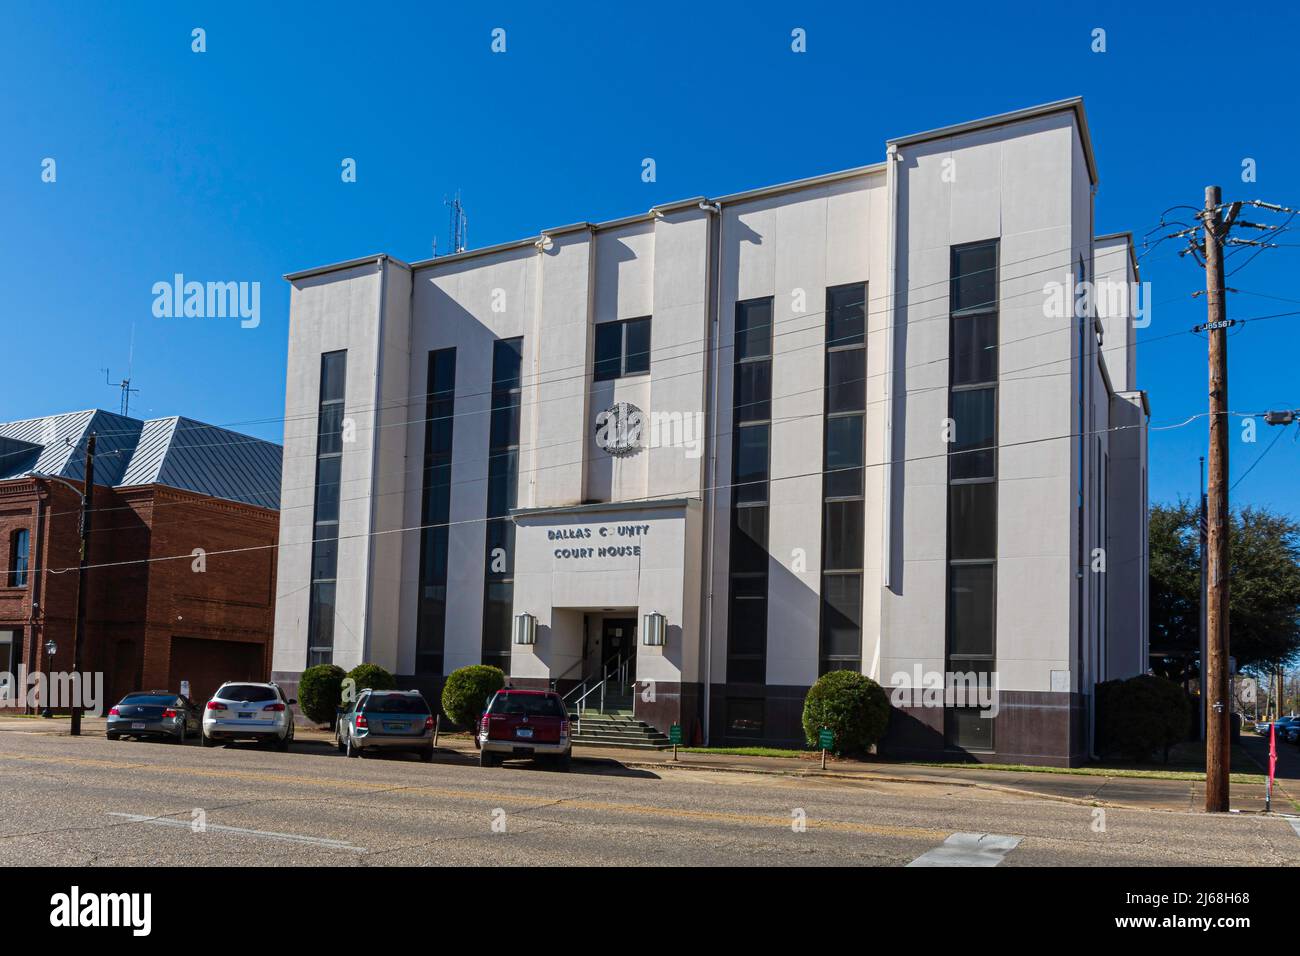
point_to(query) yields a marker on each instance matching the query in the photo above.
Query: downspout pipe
(710, 489)
(891, 304)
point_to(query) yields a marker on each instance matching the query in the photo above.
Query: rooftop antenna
(459, 232)
(125, 384)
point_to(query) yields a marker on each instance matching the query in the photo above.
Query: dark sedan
(154, 713)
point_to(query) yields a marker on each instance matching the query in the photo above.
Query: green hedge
(1141, 715)
(319, 691)
(468, 690)
(371, 677)
(851, 705)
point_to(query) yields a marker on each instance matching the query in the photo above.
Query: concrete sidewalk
(1086, 789)
(1091, 789)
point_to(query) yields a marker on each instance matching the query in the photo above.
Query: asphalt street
(92, 802)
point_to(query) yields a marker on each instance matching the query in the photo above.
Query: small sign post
(825, 741)
(1272, 766)
(675, 735)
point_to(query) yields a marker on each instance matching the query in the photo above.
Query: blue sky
(225, 165)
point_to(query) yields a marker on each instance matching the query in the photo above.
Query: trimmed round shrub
(319, 690)
(468, 690)
(371, 677)
(1139, 716)
(853, 706)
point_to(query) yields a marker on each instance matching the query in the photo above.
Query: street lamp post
(50, 650)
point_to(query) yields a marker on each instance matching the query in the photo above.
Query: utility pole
(1218, 712)
(87, 505)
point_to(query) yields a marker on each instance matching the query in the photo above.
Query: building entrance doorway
(617, 640)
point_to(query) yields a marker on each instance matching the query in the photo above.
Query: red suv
(525, 723)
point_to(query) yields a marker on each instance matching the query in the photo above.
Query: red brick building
(182, 551)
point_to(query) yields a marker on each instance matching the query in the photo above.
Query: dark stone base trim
(1032, 727)
(782, 708)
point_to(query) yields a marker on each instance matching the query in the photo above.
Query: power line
(648, 499)
(1258, 459)
(1008, 375)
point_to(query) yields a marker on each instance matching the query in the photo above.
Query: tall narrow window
(435, 512)
(972, 482)
(19, 558)
(751, 438)
(502, 490)
(325, 530)
(843, 514)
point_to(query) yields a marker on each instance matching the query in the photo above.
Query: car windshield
(147, 699)
(396, 704)
(529, 705)
(249, 692)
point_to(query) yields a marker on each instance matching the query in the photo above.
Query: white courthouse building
(711, 451)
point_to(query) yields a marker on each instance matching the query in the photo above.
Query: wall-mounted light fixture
(655, 631)
(525, 629)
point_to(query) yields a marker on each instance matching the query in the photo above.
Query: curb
(880, 778)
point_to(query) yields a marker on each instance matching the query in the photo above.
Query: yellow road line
(484, 796)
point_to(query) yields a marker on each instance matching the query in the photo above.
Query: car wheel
(282, 744)
(564, 761)
(486, 759)
(180, 737)
(338, 742)
(427, 755)
(351, 749)
(113, 736)
(206, 741)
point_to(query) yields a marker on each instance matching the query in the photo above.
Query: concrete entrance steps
(618, 729)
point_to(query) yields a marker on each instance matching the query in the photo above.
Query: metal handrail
(617, 670)
(555, 680)
(578, 705)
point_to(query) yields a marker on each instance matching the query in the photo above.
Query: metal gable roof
(55, 435)
(176, 452)
(182, 453)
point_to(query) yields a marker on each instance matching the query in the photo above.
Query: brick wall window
(19, 558)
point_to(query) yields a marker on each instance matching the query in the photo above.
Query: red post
(1272, 765)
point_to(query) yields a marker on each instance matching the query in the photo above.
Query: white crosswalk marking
(969, 849)
(264, 834)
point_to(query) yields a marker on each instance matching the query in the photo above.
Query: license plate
(524, 732)
(138, 726)
(394, 727)
(245, 715)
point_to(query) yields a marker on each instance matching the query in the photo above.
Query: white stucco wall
(1015, 184)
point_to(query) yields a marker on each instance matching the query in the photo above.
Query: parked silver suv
(247, 711)
(386, 720)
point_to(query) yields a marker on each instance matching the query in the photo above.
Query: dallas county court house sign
(598, 541)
